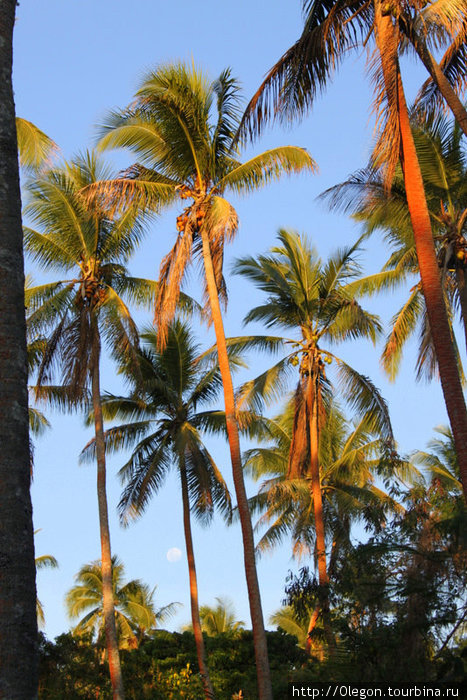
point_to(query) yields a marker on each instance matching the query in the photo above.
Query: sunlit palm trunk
(18, 624)
(106, 556)
(200, 650)
(259, 634)
(462, 289)
(323, 578)
(445, 87)
(428, 265)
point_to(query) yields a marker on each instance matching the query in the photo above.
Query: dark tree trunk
(259, 633)
(200, 650)
(18, 624)
(106, 556)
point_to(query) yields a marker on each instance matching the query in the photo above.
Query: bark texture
(198, 634)
(106, 556)
(259, 633)
(18, 624)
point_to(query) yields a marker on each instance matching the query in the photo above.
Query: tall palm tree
(444, 170)
(164, 425)
(76, 312)
(183, 129)
(18, 641)
(311, 298)
(135, 611)
(332, 29)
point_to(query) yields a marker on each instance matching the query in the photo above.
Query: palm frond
(36, 149)
(266, 167)
(364, 397)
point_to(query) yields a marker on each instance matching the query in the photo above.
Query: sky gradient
(72, 62)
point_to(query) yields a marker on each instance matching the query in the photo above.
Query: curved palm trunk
(428, 265)
(18, 639)
(444, 86)
(259, 634)
(106, 557)
(323, 578)
(200, 650)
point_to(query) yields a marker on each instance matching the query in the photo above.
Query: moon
(173, 554)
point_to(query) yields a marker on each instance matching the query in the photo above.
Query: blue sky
(73, 61)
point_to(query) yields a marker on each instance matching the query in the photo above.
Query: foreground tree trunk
(198, 634)
(18, 624)
(259, 633)
(106, 556)
(427, 261)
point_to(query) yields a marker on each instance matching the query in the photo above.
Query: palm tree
(135, 611)
(286, 619)
(18, 643)
(163, 418)
(349, 461)
(312, 299)
(440, 462)
(332, 28)
(448, 76)
(443, 165)
(75, 313)
(187, 155)
(220, 619)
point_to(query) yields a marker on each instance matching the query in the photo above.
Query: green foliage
(315, 301)
(135, 610)
(163, 423)
(36, 149)
(182, 128)
(443, 164)
(220, 619)
(71, 667)
(164, 666)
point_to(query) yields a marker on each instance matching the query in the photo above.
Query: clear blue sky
(73, 61)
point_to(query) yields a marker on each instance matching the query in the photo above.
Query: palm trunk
(311, 625)
(444, 86)
(106, 556)
(432, 290)
(259, 634)
(323, 578)
(200, 650)
(18, 623)
(462, 289)
(428, 265)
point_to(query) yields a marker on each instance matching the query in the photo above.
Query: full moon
(174, 554)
